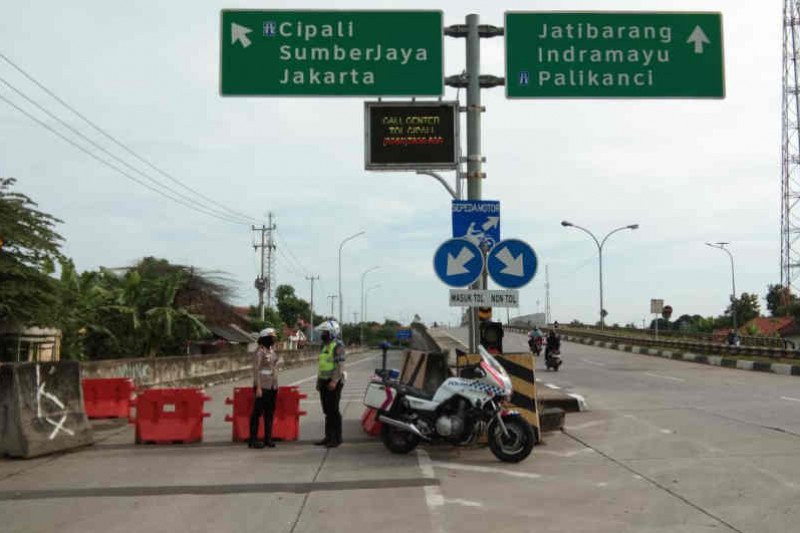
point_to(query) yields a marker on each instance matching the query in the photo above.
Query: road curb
(713, 360)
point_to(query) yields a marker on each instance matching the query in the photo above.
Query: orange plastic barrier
(107, 397)
(166, 416)
(285, 423)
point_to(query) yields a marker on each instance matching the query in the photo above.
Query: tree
(746, 308)
(29, 250)
(779, 300)
(272, 319)
(290, 307)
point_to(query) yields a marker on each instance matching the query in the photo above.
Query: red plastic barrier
(166, 416)
(370, 423)
(285, 423)
(107, 397)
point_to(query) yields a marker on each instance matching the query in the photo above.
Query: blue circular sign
(458, 262)
(512, 263)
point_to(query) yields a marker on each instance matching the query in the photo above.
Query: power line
(110, 165)
(297, 261)
(113, 156)
(120, 144)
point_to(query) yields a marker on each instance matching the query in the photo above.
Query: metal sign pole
(474, 175)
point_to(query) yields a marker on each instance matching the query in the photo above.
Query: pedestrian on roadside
(265, 387)
(330, 380)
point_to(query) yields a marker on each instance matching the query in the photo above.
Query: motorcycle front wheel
(398, 441)
(517, 445)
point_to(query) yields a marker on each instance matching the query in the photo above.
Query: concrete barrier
(189, 370)
(41, 409)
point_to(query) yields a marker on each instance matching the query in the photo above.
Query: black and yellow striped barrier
(520, 366)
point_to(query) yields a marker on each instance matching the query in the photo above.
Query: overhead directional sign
(331, 53)
(411, 135)
(458, 262)
(614, 55)
(512, 263)
(478, 221)
(483, 298)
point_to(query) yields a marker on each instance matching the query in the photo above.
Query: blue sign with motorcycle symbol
(512, 263)
(458, 262)
(478, 221)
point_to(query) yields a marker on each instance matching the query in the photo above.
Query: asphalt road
(665, 447)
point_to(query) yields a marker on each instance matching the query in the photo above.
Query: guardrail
(745, 340)
(698, 347)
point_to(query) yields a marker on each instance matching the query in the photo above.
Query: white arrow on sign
(514, 265)
(698, 37)
(239, 33)
(491, 222)
(455, 265)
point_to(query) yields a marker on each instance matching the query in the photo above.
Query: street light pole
(721, 246)
(363, 306)
(366, 297)
(351, 237)
(600, 245)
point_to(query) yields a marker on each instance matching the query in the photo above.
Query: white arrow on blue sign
(512, 263)
(478, 221)
(458, 262)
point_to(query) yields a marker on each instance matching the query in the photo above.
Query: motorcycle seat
(408, 390)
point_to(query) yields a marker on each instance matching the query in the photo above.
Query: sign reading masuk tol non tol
(331, 53)
(614, 55)
(483, 298)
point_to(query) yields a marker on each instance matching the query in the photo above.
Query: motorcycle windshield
(496, 367)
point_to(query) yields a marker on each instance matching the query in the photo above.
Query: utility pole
(332, 298)
(270, 260)
(311, 278)
(473, 82)
(263, 282)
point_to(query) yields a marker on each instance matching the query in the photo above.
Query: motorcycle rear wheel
(519, 443)
(398, 441)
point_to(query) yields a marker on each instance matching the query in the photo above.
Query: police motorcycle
(462, 409)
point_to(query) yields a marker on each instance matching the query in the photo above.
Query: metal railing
(705, 347)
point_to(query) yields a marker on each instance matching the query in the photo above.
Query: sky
(686, 171)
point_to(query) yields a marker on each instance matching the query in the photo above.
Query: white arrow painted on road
(698, 37)
(455, 265)
(491, 222)
(239, 33)
(513, 265)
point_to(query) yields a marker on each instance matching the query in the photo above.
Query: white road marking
(551, 386)
(463, 503)
(582, 405)
(433, 494)
(485, 470)
(650, 424)
(593, 362)
(565, 455)
(664, 377)
(790, 399)
(587, 425)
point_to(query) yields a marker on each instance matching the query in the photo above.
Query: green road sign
(331, 53)
(614, 55)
